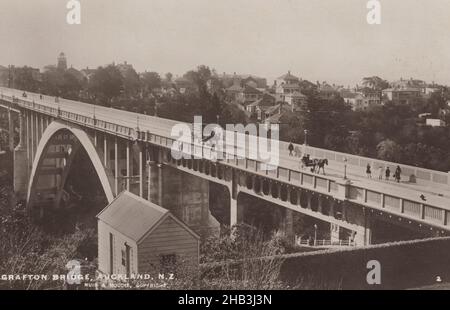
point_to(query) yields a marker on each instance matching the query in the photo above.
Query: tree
(375, 82)
(150, 82)
(388, 150)
(106, 84)
(169, 77)
(24, 79)
(60, 83)
(131, 82)
(325, 118)
(199, 77)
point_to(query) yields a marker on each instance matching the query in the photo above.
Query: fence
(323, 243)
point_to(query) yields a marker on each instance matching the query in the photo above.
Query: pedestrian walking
(380, 173)
(290, 148)
(388, 173)
(369, 171)
(398, 173)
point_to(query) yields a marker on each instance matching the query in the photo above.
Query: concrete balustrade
(281, 183)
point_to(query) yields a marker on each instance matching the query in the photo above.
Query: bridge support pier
(360, 217)
(21, 164)
(185, 195)
(335, 235)
(236, 212)
(287, 226)
(10, 131)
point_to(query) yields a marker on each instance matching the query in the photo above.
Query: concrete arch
(54, 128)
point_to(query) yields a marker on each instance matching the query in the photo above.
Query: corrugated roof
(132, 215)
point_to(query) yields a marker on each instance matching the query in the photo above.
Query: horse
(320, 164)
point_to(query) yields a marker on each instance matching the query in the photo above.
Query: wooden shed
(136, 236)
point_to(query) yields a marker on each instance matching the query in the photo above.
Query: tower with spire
(62, 62)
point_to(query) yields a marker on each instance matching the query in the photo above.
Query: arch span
(82, 138)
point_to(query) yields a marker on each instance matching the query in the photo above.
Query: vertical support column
(160, 178)
(289, 225)
(32, 135)
(309, 205)
(27, 123)
(332, 202)
(344, 211)
(319, 203)
(236, 212)
(367, 227)
(22, 130)
(95, 138)
(42, 125)
(116, 167)
(334, 232)
(105, 151)
(141, 174)
(21, 162)
(10, 131)
(149, 177)
(36, 131)
(128, 164)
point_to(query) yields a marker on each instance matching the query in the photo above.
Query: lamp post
(345, 168)
(94, 118)
(315, 234)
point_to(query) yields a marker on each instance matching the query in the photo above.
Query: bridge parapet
(359, 163)
(395, 202)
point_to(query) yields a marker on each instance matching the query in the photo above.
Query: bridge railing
(359, 162)
(84, 120)
(397, 204)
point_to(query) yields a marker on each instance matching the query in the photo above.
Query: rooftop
(288, 76)
(134, 216)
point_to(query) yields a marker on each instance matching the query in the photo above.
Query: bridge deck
(438, 196)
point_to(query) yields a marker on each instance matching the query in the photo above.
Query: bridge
(133, 151)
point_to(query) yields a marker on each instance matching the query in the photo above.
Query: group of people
(385, 172)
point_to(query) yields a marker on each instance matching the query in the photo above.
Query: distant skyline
(324, 40)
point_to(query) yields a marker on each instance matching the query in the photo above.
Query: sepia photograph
(251, 146)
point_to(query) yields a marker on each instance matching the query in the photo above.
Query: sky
(325, 40)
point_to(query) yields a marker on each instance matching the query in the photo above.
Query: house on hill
(136, 236)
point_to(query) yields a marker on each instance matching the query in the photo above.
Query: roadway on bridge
(439, 196)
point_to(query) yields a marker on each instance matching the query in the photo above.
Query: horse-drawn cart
(313, 163)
